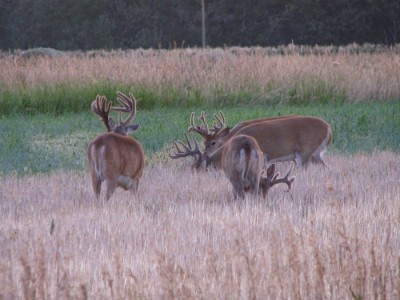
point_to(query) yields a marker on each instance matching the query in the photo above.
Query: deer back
(284, 139)
(213, 142)
(240, 125)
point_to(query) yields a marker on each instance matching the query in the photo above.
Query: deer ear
(132, 128)
(271, 170)
(224, 132)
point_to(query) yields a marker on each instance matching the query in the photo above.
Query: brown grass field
(335, 235)
(360, 77)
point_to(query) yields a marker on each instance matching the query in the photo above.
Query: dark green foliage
(94, 24)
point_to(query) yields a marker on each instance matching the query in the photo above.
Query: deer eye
(213, 143)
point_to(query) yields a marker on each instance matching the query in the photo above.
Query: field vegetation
(334, 235)
(196, 77)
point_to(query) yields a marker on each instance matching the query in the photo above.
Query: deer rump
(117, 159)
(242, 164)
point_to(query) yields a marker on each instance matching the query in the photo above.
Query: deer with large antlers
(288, 138)
(242, 162)
(115, 157)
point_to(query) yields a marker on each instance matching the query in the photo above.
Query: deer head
(183, 150)
(271, 179)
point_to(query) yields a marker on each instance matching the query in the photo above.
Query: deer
(115, 157)
(289, 138)
(242, 161)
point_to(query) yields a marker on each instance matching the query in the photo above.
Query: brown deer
(114, 156)
(242, 162)
(288, 138)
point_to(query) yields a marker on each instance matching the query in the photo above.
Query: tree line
(112, 24)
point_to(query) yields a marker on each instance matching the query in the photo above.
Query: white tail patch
(242, 162)
(253, 159)
(98, 163)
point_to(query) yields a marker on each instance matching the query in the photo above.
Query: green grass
(72, 98)
(41, 143)
(75, 98)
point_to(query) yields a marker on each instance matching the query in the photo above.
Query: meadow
(334, 235)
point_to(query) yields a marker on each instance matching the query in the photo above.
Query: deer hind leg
(96, 184)
(256, 187)
(238, 191)
(253, 184)
(299, 159)
(317, 159)
(134, 186)
(316, 156)
(111, 186)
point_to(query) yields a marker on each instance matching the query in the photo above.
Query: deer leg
(254, 184)
(317, 159)
(238, 191)
(111, 186)
(96, 184)
(256, 188)
(134, 187)
(299, 160)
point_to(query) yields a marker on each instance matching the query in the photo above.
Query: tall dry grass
(218, 72)
(334, 236)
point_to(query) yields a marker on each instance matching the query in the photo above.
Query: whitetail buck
(242, 162)
(114, 157)
(289, 138)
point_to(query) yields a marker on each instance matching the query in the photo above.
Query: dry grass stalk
(336, 233)
(359, 77)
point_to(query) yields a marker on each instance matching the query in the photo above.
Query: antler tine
(125, 101)
(284, 179)
(221, 122)
(102, 108)
(203, 119)
(202, 129)
(188, 150)
(128, 105)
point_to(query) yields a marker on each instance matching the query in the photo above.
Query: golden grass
(334, 236)
(358, 77)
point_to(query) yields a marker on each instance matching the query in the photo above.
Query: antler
(102, 107)
(128, 105)
(216, 129)
(188, 150)
(285, 179)
(271, 179)
(202, 129)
